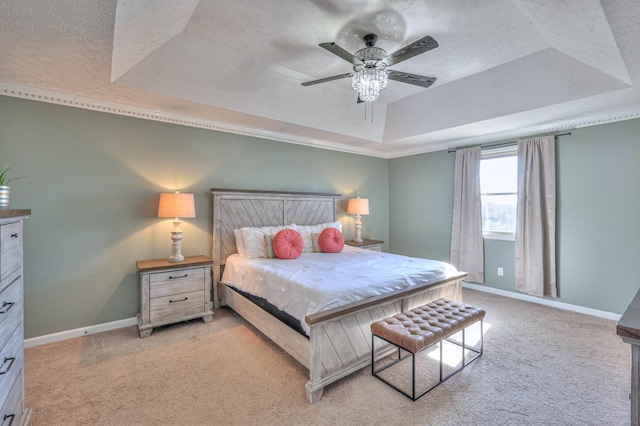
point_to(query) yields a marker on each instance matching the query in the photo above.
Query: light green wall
(499, 254)
(599, 215)
(93, 181)
(598, 225)
(420, 200)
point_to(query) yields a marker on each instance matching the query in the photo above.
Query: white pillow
(254, 242)
(306, 231)
(240, 245)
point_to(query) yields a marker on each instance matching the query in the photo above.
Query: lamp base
(358, 237)
(176, 247)
(176, 258)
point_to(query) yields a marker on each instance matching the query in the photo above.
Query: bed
(339, 338)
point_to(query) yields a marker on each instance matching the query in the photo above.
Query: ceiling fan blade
(339, 51)
(423, 45)
(323, 80)
(405, 77)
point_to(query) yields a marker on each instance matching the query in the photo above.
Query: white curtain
(467, 250)
(535, 250)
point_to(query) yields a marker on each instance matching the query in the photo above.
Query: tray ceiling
(504, 68)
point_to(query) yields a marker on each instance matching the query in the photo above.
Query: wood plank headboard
(234, 209)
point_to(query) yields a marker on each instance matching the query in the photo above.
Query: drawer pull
(8, 416)
(14, 235)
(4, 307)
(183, 276)
(181, 300)
(11, 361)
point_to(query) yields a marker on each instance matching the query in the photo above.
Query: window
(499, 190)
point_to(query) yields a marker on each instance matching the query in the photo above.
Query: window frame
(491, 153)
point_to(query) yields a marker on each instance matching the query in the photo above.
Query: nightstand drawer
(176, 282)
(177, 305)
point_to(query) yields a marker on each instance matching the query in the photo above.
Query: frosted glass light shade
(358, 206)
(176, 205)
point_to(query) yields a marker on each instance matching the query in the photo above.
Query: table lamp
(176, 205)
(358, 206)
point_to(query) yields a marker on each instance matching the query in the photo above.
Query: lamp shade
(358, 206)
(176, 205)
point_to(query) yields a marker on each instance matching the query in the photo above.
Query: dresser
(171, 292)
(12, 411)
(628, 328)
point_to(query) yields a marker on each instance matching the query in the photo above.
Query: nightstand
(373, 245)
(171, 292)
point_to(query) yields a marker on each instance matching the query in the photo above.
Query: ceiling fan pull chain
(365, 110)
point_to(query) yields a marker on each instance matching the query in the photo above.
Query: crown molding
(555, 127)
(88, 103)
(93, 104)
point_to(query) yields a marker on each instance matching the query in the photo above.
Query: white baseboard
(78, 332)
(99, 328)
(542, 301)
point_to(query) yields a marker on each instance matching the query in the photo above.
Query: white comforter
(315, 282)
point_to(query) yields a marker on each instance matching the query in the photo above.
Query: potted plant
(5, 190)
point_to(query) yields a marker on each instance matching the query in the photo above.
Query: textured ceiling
(503, 67)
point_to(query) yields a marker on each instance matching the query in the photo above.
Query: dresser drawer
(178, 305)
(10, 248)
(10, 261)
(11, 410)
(11, 361)
(10, 236)
(176, 282)
(10, 310)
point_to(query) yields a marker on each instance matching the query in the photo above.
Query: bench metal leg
(375, 372)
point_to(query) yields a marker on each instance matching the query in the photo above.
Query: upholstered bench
(420, 328)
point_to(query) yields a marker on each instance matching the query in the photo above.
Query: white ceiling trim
(523, 133)
(83, 102)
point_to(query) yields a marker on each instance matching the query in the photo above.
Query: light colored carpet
(541, 366)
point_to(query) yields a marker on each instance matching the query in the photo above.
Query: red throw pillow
(331, 240)
(288, 244)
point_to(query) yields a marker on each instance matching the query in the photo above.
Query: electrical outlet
(500, 272)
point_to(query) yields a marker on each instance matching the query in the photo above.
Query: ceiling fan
(369, 65)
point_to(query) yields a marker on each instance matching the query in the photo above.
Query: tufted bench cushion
(421, 327)
(418, 329)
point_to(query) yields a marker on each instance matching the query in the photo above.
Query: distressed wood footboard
(340, 339)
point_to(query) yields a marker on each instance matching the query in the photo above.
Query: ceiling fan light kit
(370, 75)
(368, 82)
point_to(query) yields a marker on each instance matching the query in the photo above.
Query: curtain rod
(508, 143)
